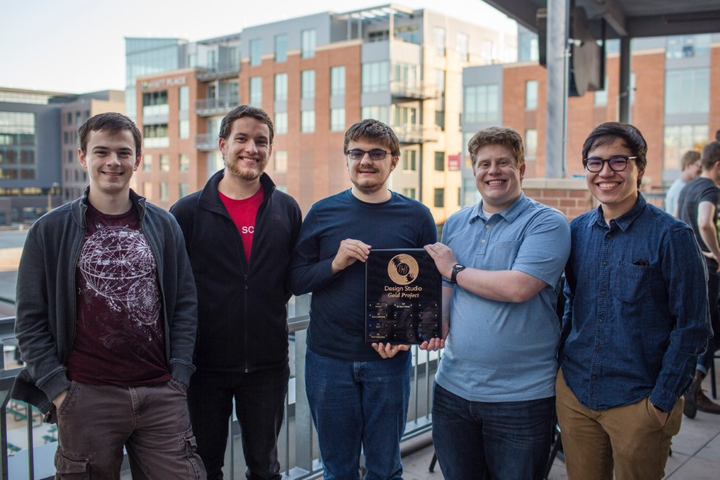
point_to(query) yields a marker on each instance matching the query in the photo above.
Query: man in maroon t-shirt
(106, 321)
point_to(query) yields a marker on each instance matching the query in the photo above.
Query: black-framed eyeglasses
(617, 163)
(374, 154)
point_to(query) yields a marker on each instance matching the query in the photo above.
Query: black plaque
(402, 297)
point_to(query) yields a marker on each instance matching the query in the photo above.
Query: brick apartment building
(316, 75)
(675, 102)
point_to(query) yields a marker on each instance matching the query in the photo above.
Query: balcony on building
(413, 91)
(206, 142)
(415, 133)
(208, 107)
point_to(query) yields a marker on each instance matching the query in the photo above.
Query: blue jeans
(359, 404)
(481, 440)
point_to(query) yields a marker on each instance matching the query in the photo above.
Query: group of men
(119, 302)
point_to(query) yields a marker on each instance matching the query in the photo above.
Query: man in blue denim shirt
(493, 410)
(636, 319)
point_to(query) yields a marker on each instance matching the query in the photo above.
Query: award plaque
(402, 297)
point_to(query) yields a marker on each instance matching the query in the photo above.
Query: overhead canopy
(629, 18)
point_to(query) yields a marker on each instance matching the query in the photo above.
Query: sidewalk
(696, 452)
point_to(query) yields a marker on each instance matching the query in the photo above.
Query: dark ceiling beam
(679, 24)
(521, 11)
(610, 12)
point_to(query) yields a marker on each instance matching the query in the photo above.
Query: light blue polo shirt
(498, 351)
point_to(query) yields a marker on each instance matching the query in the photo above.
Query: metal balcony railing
(413, 133)
(218, 72)
(20, 427)
(206, 142)
(206, 107)
(413, 90)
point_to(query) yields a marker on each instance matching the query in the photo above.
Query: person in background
(691, 168)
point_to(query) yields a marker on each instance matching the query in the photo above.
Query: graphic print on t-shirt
(118, 265)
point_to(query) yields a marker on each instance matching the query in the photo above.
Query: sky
(78, 46)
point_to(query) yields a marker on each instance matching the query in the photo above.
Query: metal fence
(29, 446)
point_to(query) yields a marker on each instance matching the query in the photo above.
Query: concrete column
(557, 72)
(624, 110)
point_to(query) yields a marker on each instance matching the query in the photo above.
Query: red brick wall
(571, 197)
(714, 122)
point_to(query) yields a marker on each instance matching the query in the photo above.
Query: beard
(238, 170)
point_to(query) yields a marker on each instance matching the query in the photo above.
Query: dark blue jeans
(356, 404)
(259, 405)
(499, 441)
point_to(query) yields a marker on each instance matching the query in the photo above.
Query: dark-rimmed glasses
(617, 163)
(374, 154)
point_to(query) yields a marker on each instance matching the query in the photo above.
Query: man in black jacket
(240, 232)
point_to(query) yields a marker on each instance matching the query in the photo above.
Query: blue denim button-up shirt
(636, 316)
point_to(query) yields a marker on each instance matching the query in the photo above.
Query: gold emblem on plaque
(403, 269)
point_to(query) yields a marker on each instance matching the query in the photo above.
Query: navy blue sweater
(337, 317)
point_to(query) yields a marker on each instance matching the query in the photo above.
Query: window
(439, 41)
(148, 190)
(281, 87)
(184, 95)
(530, 143)
(683, 46)
(256, 91)
(308, 84)
(439, 161)
(678, 139)
(154, 103)
(164, 162)
(487, 50)
(308, 40)
(337, 119)
(281, 122)
(405, 116)
(256, 51)
(375, 77)
(280, 164)
(70, 156)
(409, 160)
(462, 47)
(337, 81)
(378, 112)
(409, 192)
(307, 121)
(156, 136)
(531, 94)
(69, 118)
(482, 104)
(183, 189)
(184, 162)
(147, 162)
(164, 192)
(687, 91)
(439, 198)
(184, 129)
(281, 43)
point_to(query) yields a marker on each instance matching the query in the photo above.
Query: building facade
(674, 96)
(39, 167)
(317, 75)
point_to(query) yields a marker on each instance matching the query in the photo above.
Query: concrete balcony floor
(695, 451)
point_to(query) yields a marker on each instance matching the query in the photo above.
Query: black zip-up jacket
(46, 297)
(242, 317)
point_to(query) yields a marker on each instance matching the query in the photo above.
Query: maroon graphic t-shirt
(119, 335)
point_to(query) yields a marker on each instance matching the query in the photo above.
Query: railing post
(304, 433)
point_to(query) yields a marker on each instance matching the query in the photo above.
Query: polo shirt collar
(509, 214)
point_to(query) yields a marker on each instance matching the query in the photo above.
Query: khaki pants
(629, 439)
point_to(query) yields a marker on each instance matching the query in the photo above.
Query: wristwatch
(457, 268)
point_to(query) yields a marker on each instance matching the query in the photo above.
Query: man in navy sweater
(358, 393)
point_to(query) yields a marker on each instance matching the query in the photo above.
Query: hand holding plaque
(402, 297)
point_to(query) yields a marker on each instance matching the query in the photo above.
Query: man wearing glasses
(698, 207)
(635, 319)
(494, 404)
(358, 393)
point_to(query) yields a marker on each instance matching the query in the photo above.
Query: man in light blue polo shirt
(502, 259)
